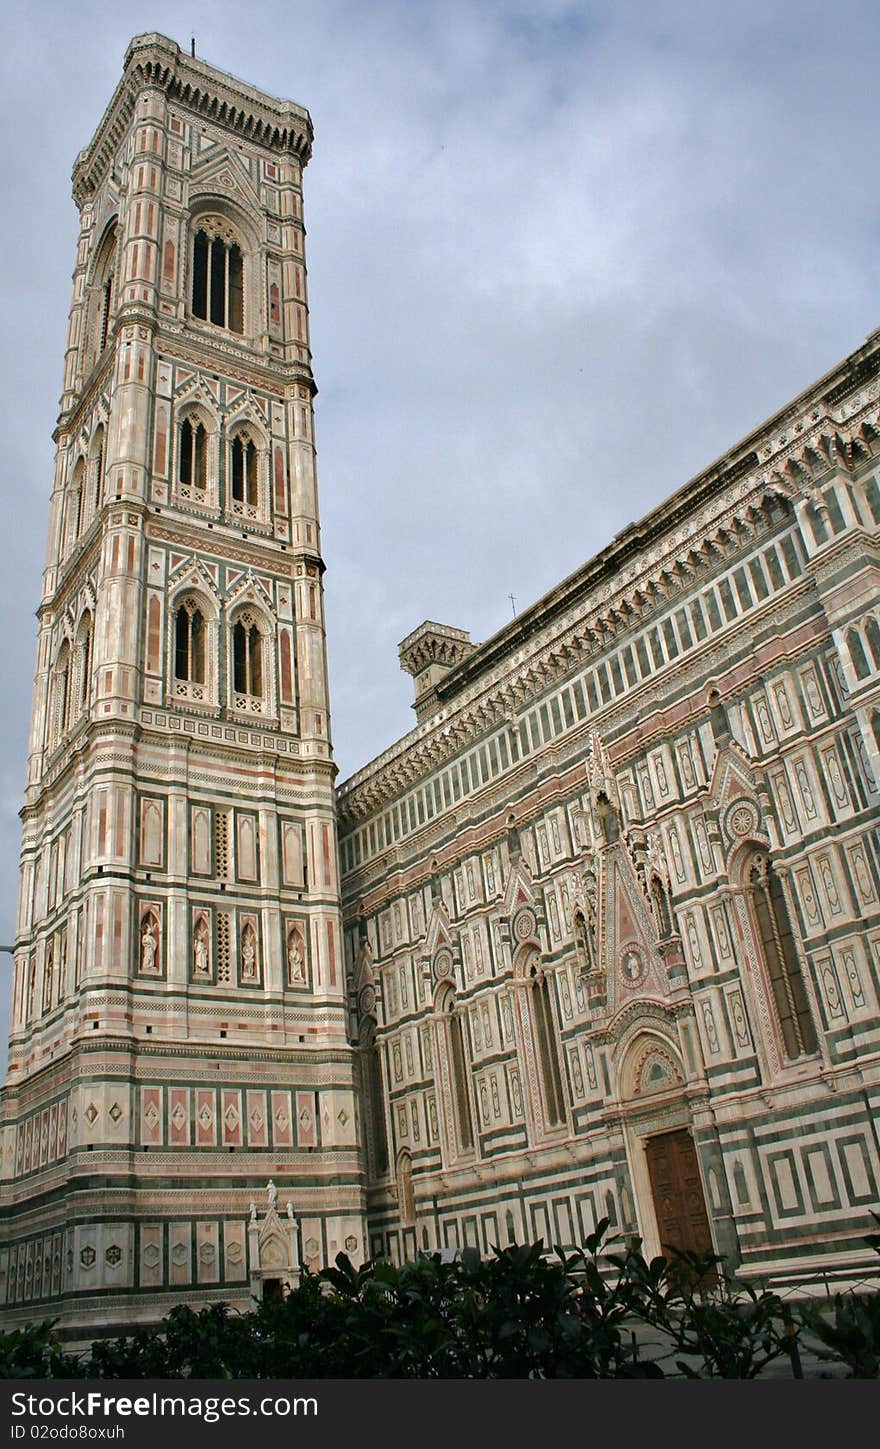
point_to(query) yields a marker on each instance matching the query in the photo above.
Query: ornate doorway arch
(670, 1198)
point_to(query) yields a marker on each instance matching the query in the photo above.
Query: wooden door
(682, 1220)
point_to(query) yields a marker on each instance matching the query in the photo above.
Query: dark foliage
(520, 1313)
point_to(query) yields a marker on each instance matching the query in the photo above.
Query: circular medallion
(525, 926)
(632, 965)
(366, 1000)
(442, 964)
(741, 819)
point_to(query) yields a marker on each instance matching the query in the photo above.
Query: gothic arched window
(371, 1077)
(83, 663)
(406, 1201)
(457, 1057)
(247, 657)
(97, 463)
(189, 643)
(103, 295)
(61, 700)
(192, 458)
(545, 1036)
(780, 954)
(244, 461)
(872, 634)
(218, 281)
(49, 977)
(74, 505)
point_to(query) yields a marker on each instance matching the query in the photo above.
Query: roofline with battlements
(154, 61)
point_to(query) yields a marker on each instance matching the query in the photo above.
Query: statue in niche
(48, 978)
(149, 945)
(609, 821)
(271, 1194)
(200, 951)
(248, 955)
(295, 971)
(584, 942)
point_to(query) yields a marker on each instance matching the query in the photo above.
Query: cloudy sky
(561, 255)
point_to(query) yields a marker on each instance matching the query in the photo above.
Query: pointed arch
(60, 711)
(453, 1050)
(73, 506)
(192, 645)
(251, 652)
(406, 1202)
(102, 295)
(539, 1034)
(97, 467)
(247, 470)
(373, 1099)
(83, 664)
(775, 939)
(222, 253)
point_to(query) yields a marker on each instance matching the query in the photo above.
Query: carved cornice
(153, 62)
(687, 540)
(244, 364)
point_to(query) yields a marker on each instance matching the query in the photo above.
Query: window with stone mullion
(247, 646)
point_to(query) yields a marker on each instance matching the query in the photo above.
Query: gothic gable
(628, 947)
(219, 171)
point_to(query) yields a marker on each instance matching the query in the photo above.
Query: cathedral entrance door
(682, 1220)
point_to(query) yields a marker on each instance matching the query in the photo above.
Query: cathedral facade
(613, 907)
(179, 1027)
(599, 938)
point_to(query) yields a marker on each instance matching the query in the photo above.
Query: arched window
(97, 456)
(245, 486)
(247, 657)
(218, 281)
(371, 1077)
(872, 634)
(49, 977)
(106, 305)
(31, 989)
(83, 663)
(103, 295)
(192, 458)
(189, 643)
(61, 702)
(545, 1035)
(458, 1071)
(73, 509)
(857, 654)
(780, 954)
(406, 1202)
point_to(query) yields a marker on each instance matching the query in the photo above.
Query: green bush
(519, 1313)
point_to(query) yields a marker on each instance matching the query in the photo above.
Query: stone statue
(248, 957)
(253, 1210)
(272, 1194)
(201, 952)
(148, 946)
(294, 959)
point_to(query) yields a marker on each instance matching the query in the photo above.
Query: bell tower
(179, 1031)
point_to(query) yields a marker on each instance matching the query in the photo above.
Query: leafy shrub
(519, 1313)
